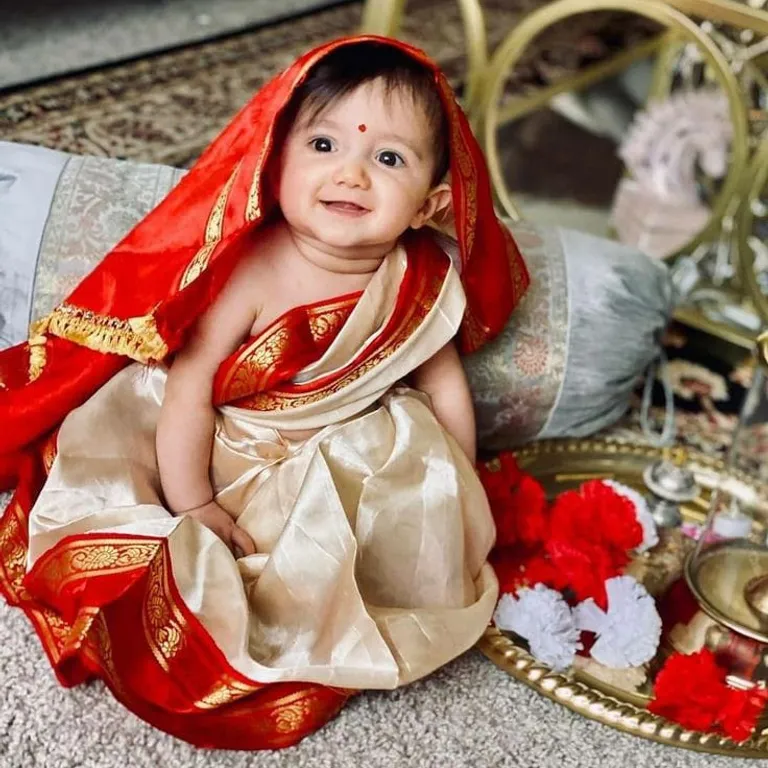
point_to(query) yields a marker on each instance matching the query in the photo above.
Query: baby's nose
(352, 173)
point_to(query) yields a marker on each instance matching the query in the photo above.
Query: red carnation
(508, 564)
(619, 527)
(518, 503)
(496, 484)
(583, 567)
(519, 566)
(581, 542)
(741, 711)
(596, 515)
(571, 518)
(691, 690)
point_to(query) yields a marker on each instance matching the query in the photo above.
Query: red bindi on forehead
(362, 128)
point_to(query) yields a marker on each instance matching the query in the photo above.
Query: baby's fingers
(242, 541)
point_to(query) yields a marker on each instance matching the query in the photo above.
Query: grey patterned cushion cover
(564, 366)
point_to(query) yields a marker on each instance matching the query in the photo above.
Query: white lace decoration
(642, 513)
(545, 620)
(628, 632)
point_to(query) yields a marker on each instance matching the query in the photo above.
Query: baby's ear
(436, 204)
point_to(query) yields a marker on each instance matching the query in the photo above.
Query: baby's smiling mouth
(345, 207)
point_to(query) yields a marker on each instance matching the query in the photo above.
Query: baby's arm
(442, 378)
(185, 428)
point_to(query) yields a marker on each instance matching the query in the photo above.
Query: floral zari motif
(163, 621)
(291, 342)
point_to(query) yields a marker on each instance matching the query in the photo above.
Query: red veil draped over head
(138, 304)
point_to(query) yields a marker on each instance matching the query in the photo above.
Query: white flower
(544, 619)
(628, 632)
(642, 513)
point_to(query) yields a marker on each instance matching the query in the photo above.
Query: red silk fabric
(95, 617)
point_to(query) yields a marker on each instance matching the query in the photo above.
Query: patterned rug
(710, 379)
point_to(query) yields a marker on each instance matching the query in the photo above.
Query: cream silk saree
(371, 535)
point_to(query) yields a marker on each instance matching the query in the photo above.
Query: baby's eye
(389, 158)
(322, 144)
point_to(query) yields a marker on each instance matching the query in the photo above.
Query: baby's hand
(212, 516)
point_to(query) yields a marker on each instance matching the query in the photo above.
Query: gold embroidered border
(256, 362)
(214, 229)
(225, 692)
(464, 163)
(103, 651)
(82, 626)
(164, 624)
(13, 550)
(98, 557)
(473, 332)
(291, 712)
(515, 262)
(53, 631)
(198, 264)
(328, 319)
(422, 303)
(253, 205)
(36, 347)
(49, 451)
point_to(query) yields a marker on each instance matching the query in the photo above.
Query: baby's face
(358, 176)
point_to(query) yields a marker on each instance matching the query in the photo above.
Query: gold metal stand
(666, 15)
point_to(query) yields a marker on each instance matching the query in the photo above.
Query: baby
(363, 161)
(314, 421)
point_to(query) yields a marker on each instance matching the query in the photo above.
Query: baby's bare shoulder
(257, 267)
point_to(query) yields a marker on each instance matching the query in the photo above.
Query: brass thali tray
(621, 704)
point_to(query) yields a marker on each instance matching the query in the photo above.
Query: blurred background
(155, 81)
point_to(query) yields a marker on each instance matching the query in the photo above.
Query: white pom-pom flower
(628, 632)
(545, 620)
(642, 513)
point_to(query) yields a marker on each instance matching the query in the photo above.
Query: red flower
(508, 562)
(578, 544)
(529, 502)
(616, 514)
(496, 483)
(518, 566)
(691, 690)
(518, 503)
(571, 518)
(741, 711)
(583, 568)
(597, 515)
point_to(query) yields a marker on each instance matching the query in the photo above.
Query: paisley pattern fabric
(516, 379)
(97, 202)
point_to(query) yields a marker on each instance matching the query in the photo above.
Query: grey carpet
(468, 714)
(45, 38)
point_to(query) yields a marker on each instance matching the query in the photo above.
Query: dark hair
(350, 66)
